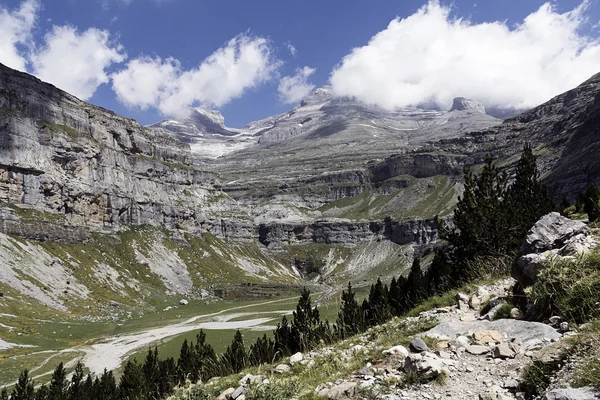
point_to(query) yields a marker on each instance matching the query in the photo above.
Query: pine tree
(24, 389)
(415, 284)
(262, 351)
(235, 357)
(132, 385)
(349, 320)
(43, 393)
(75, 390)
(591, 202)
(151, 372)
(185, 363)
(378, 310)
(58, 384)
(283, 339)
(305, 324)
(105, 388)
(527, 199)
(440, 277)
(4, 394)
(87, 389)
(206, 358)
(168, 376)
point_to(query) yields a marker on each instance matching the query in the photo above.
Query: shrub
(568, 288)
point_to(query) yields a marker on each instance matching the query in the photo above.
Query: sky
(150, 59)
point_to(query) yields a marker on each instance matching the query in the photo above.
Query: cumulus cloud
(294, 88)
(243, 63)
(16, 32)
(76, 62)
(431, 57)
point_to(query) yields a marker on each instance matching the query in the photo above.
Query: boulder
(477, 350)
(485, 336)
(283, 369)
(342, 390)
(296, 358)
(552, 235)
(398, 351)
(418, 346)
(503, 351)
(250, 379)
(183, 302)
(225, 394)
(426, 364)
(237, 393)
(586, 393)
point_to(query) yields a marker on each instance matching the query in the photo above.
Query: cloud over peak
(294, 88)
(431, 57)
(242, 63)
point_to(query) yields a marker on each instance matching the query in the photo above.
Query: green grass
(58, 127)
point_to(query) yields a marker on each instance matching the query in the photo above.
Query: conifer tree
(168, 376)
(24, 389)
(480, 220)
(379, 307)
(132, 385)
(591, 202)
(87, 389)
(105, 387)
(58, 384)
(151, 371)
(349, 320)
(206, 359)
(440, 277)
(75, 390)
(43, 393)
(185, 363)
(4, 394)
(305, 324)
(235, 357)
(415, 284)
(283, 339)
(527, 199)
(262, 351)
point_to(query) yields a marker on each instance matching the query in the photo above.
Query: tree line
(491, 219)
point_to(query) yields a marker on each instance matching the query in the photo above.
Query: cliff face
(63, 156)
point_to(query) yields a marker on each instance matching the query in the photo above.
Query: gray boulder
(552, 235)
(418, 346)
(573, 394)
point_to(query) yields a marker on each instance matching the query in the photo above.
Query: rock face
(552, 236)
(464, 104)
(62, 156)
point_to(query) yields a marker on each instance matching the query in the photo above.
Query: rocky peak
(464, 104)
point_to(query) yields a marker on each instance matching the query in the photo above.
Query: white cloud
(242, 63)
(292, 49)
(76, 62)
(15, 33)
(431, 57)
(294, 88)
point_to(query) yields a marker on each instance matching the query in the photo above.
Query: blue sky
(415, 62)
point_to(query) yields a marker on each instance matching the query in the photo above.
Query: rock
(586, 393)
(283, 369)
(546, 238)
(463, 341)
(310, 364)
(484, 336)
(477, 350)
(418, 346)
(342, 390)
(296, 358)
(564, 327)
(468, 317)
(250, 379)
(425, 364)
(554, 321)
(519, 331)
(183, 302)
(462, 301)
(515, 313)
(225, 394)
(358, 349)
(237, 393)
(113, 303)
(503, 351)
(398, 351)
(475, 302)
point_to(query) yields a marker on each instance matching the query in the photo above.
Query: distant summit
(464, 104)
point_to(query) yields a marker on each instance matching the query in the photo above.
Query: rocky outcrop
(344, 232)
(66, 157)
(553, 236)
(468, 105)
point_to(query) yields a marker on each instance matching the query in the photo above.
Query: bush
(536, 377)
(568, 288)
(504, 311)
